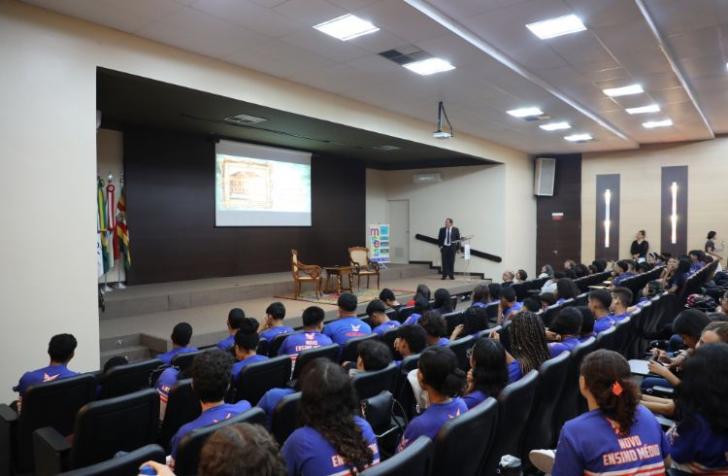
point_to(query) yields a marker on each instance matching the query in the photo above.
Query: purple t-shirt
(307, 453)
(514, 371)
(344, 329)
(517, 306)
(226, 343)
(443, 341)
(269, 401)
(273, 332)
(619, 317)
(412, 319)
(296, 343)
(696, 448)
(431, 420)
(602, 324)
(167, 379)
(385, 327)
(588, 445)
(474, 398)
(209, 417)
(240, 365)
(170, 354)
(556, 348)
(46, 374)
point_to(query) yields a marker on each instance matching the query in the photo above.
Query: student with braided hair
(332, 440)
(527, 345)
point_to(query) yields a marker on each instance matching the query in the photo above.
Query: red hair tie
(617, 388)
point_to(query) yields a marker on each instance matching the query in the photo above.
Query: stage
(138, 320)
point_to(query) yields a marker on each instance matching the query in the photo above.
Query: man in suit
(449, 242)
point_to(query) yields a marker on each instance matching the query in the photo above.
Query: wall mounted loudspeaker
(544, 178)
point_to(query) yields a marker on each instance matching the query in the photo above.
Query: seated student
(165, 383)
(581, 270)
(233, 324)
(651, 289)
(621, 300)
(377, 312)
(422, 305)
(587, 323)
(521, 276)
(723, 304)
(617, 436)
(347, 326)
(181, 335)
(508, 305)
(387, 296)
(443, 303)
(211, 372)
(599, 301)
(699, 441)
(273, 325)
(435, 327)
(246, 342)
(480, 296)
(697, 260)
(532, 304)
(547, 300)
(442, 381)
(507, 278)
(421, 291)
(310, 337)
(547, 271)
(488, 373)
(494, 289)
(527, 345)
(621, 272)
(333, 440)
(475, 319)
(550, 285)
(564, 330)
(61, 349)
(411, 340)
(565, 289)
(677, 275)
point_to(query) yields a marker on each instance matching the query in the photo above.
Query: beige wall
(640, 172)
(48, 163)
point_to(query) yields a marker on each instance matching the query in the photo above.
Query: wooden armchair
(304, 273)
(362, 265)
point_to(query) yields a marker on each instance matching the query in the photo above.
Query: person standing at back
(347, 326)
(448, 239)
(640, 246)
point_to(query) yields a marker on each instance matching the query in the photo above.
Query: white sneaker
(543, 460)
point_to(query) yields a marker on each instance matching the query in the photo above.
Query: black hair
(622, 264)
(238, 449)
(475, 318)
(527, 337)
(347, 302)
(211, 372)
(421, 304)
(481, 293)
(587, 321)
(532, 304)
(624, 295)
(600, 265)
(61, 347)
(581, 270)
(601, 296)
(490, 371)
(495, 290)
(115, 361)
(312, 316)
(181, 334)
(422, 290)
(276, 310)
(711, 235)
(690, 322)
(439, 369)
(508, 293)
(433, 323)
(558, 275)
(548, 298)
(703, 388)
(683, 266)
(548, 269)
(375, 354)
(522, 275)
(235, 317)
(566, 289)
(567, 322)
(643, 267)
(415, 336)
(247, 336)
(328, 403)
(387, 294)
(376, 306)
(442, 300)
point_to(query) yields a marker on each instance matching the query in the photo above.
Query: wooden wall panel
(607, 249)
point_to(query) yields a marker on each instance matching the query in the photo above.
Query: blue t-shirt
(588, 445)
(696, 448)
(602, 324)
(695, 267)
(556, 348)
(273, 332)
(443, 341)
(514, 371)
(167, 379)
(586, 337)
(431, 420)
(306, 452)
(209, 417)
(619, 317)
(301, 341)
(513, 309)
(412, 319)
(241, 364)
(385, 327)
(269, 401)
(226, 343)
(643, 302)
(479, 304)
(622, 277)
(344, 329)
(474, 398)
(46, 374)
(170, 354)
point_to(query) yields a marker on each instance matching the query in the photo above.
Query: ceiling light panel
(582, 137)
(525, 112)
(556, 27)
(654, 124)
(555, 126)
(346, 27)
(429, 66)
(643, 109)
(624, 90)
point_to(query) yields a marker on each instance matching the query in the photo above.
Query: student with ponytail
(246, 342)
(488, 372)
(332, 440)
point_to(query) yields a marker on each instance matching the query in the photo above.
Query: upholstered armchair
(362, 265)
(304, 273)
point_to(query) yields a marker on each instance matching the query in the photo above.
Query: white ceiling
(618, 48)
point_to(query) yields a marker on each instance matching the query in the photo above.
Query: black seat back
(368, 384)
(388, 338)
(452, 319)
(569, 403)
(258, 378)
(184, 360)
(285, 418)
(122, 465)
(514, 406)
(404, 312)
(53, 404)
(605, 339)
(457, 451)
(415, 460)
(377, 410)
(106, 427)
(330, 352)
(183, 406)
(460, 348)
(349, 352)
(188, 452)
(275, 345)
(403, 391)
(128, 378)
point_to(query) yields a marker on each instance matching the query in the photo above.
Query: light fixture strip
(607, 216)
(673, 216)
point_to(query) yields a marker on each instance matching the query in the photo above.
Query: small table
(338, 273)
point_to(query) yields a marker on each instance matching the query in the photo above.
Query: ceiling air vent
(405, 55)
(244, 120)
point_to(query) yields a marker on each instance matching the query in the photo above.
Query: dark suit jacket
(454, 235)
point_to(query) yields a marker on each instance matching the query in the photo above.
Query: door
(398, 219)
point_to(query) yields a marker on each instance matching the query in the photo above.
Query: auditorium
(364, 237)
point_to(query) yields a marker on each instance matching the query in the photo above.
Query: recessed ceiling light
(643, 109)
(653, 124)
(556, 26)
(429, 66)
(624, 90)
(346, 27)
(555, 126)
(525, 112)
(583, 137)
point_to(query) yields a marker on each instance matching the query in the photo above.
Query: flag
(105, 249)
(121, 239)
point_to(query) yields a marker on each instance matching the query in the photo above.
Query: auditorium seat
(258, 378)
(52, 404)
(623, 333)
(188, 452)
(457, 450)
(349, 353)
(368, 384)
(580, 300)
(404, 312)
(570, 401)
(182, 406)
(453, 319)
(127, 378)
(330, 352)
(102, 429)
(122, 465)
(606, 339)
(460, 348)
(377, 410)
(184, 360)
(275, 345)
(403, 391)
(514, 406)
(491, 311)
(388, 338)
(285, 418)
(416, 459)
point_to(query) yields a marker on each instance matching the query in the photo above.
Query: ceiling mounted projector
(442, 132)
